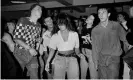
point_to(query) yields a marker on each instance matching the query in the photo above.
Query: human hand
(81, 56)
(32, 51)
(47, 67)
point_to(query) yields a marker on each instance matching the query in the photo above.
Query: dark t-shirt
(86, 31)
(130, 34)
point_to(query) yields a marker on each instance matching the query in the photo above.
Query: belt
(69, 55)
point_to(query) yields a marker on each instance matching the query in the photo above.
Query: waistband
(67, 53)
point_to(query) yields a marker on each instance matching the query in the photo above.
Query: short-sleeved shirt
(46, 39)
(58, 43)
(27, 31)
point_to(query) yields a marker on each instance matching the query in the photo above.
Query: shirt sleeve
(94, 47)
(53, 42)
(76, 40)
(19, 32)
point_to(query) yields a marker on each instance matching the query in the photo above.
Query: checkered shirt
(27, 31)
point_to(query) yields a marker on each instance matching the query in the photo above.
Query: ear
(109, 14)
(45, 24)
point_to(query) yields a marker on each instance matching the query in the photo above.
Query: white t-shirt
(57, 42)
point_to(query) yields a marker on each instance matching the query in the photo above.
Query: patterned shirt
(27, 31)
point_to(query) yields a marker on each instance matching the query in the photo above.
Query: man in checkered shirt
(26, 35)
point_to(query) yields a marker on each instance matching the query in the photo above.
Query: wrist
(28, 48)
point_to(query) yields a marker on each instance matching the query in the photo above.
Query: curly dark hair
(64, 19)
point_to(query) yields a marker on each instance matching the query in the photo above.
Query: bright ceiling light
(18, 2)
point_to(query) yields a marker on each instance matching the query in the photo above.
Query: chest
(65, 36)
(32, 31)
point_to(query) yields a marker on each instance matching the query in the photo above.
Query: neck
(89, 26)
(11, 32)
(50, 29)
(33, 19)
(105, 23)
(64, 31)
(123, 21)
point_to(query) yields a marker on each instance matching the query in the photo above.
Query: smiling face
(90, 20)
(48, 22)
(103, 15)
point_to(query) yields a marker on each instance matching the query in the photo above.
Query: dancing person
(26, 35)
(66, 41)
(91, 22)
(106, 47)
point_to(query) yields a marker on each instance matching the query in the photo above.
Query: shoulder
(114, 23)
(38, 24)
(95, 28)
(6, 36)
(55, 36)
(73, 33)
(23, 20)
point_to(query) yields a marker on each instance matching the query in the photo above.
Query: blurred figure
(123, 18)
(91, 22)
(26, 35)
(8, 35)
(106, 47)
(51, 28)
(9, 66)
(128, 58)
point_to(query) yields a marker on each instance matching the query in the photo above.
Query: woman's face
(90, 20)
(62, 27)
(11, 26)
(120, 18)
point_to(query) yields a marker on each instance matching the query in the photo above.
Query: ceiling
(71, 6)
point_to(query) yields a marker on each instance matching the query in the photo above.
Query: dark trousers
(10, 68)
(131, 74)
(109, 72)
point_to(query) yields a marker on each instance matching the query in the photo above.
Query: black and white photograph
(66, 39)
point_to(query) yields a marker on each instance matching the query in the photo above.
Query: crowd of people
(66, 49)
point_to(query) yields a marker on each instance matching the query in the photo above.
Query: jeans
(108, 67)
(131, 74)
(63, 65)
(85, 65)
(26, 60)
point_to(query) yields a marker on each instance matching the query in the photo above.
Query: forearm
(21, 43)
(50, 55)
(77, 51)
